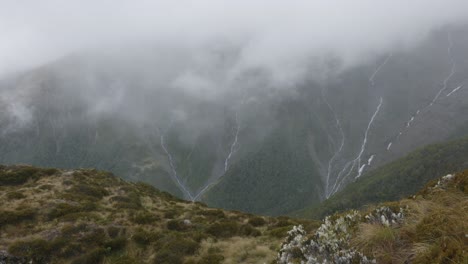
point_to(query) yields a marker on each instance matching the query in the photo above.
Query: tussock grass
(434, 229)
(88, 216)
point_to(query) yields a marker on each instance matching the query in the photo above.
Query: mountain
(251, 145)
(90, 216)
(429, 227)
(396, 180)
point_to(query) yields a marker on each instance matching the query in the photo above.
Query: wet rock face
(6, 258)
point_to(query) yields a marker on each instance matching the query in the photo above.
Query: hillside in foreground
(90, 216)
(429, 227)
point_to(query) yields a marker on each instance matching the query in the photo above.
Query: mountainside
(429, 227)
(90, 216)
(257, 148)
(397, 179)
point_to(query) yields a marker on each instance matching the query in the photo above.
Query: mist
(147, 60)
(285, 38)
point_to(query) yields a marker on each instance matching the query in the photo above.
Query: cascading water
(232, 150)
(444, 86)
(176, 178)
(338, 151)
(454, 90)
(350, 166)
(233, 145)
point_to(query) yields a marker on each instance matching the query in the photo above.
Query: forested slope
(397, 179)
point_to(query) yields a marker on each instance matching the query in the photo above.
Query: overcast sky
(279, 35)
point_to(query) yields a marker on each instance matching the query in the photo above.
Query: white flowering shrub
(329, 244)
(291, 247)
(385, 216)
(442, 182)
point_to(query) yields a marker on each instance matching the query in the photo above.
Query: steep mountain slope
(429, 227)
(90, 216)
(397, 179)
(250, 143)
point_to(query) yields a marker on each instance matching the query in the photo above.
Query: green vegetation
(257, 221)
(396, 180)
(17, 216)
(89, 216)
(15, 196)
(429, 227)
(256, 183)
(21, 174)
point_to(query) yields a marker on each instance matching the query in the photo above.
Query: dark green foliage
(70, 250)
(181, 245)
(396, 180)
(91, 192)
(19, 175)
(71, 229)
(212, 215)
(131, 201)
(257, 221)
(211, 259)
(223, 229)
(46, 187)
(248, 230)
(115, 244)
(15, 217)
(124, 260)
(176, 225)
(280, 231)
(37, 250)
(15, 196)
(87, 216)
(120, 199)
(40, 251)
(283, 222)
(94, 257)
(173, 248)
(144, 238)
(167, 257)
(144, 218)
(198, 236)
(93, 237)
(114, 231)
(171, 214)
(63, 209)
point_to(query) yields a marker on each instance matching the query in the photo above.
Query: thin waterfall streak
(345, 167)
(363, 147)
(371, 79)
(232, 150)
(454, 90)
(357, 160)
(202, 191)
(444, 86)
(174, 171)
(339, 181)
(452, 70)
(335, 155)
(389, 146)
(337, 188)
(233, 145)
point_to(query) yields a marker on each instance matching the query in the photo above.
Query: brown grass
(434, 231)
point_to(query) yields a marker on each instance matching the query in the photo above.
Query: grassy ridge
(90, 216)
